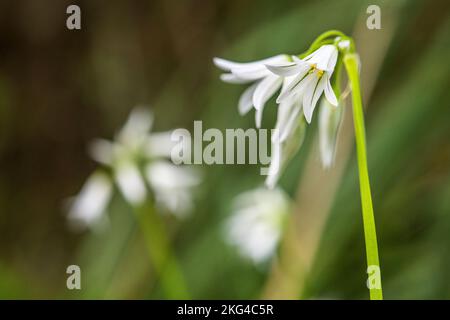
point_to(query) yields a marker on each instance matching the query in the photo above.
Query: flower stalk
(351, 66)
(157, 243)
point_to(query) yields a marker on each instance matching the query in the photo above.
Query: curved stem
(321, 40)
(157, 243)
(351, 65)
(327, 34)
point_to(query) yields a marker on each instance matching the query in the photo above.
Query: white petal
(332, 62)
(227, 65)
(247, 71)
(298, 60)
(265, 89)
(258, 117)
(102, 151)
(323, 56)
(162, 174)
(312, 95)
(283, 114)
(139, 120)
(232, 78)
(246, 99)
(223, 64)
(275, 166)
(251, 73)
(318, 55)
(286, 82)
(91, 202)
(130, 183)
(159, 144)
(283, 152)
(172, 186)
(330, 119)
(139, 123)
(329, 92)
(287, 118)
(286, 69)
(295, 85)
(291, 123)
(309, 87)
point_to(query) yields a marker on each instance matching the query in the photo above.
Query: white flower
(305, 81)
(257, 223)
(312, 78)
(133, 150)
(264, 86)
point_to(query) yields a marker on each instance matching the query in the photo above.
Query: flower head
(304, 82)
(123, 160)
(256, 226)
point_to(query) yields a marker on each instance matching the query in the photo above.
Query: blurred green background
(59, 89)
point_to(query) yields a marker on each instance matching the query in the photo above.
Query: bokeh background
(59, 89)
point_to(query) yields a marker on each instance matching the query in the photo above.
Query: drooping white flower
(256, 226)
(312, 78)
(305, 81)
(132, 152)
(264, 83)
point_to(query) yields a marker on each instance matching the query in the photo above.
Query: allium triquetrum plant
(138, 163)
(305, 79)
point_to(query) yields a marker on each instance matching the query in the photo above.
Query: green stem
(321, 40)
(157, 243)
(351, 65)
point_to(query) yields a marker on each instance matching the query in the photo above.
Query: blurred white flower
(133, 151)
(265, 83)
(257, 224)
